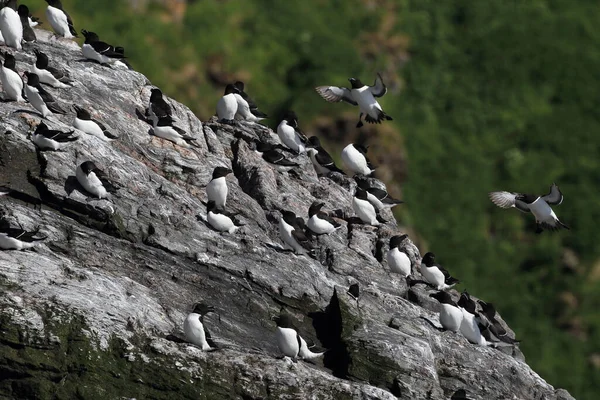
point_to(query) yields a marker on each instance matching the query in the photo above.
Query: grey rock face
(92, 311)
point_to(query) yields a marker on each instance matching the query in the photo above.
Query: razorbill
(380, 198)
(94, 49)
(270, 154)
(85, 123)
(166, 129)
(39, 98)
(359, 95)
(290, 343)
(435, 274)
(290, 134)
(487, 318)
(320, 223)
(17, 238)
(10, 25)
(193, 327)
(460, 394)
(227, 105)
(244, 111)
(355, 158)
(158, 106)
(47, 139)
(469, 326)
(398, 261)
(320, 158)
(539, 206)
(219, 219)
(94, 180)
(48, 75)
(363, 209)
(291, 232)
(451, 315)
(59, 20)
(12, 83)
(354, 290)
(28, 33)
(217, 190)
(251, 104)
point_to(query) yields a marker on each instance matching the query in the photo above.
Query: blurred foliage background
(485, 95)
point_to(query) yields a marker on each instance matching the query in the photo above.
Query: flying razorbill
(320, 158)
(94, 49)
(193, 327)
(94, 180)
(251, 104)
(320, 223)
(48, 75)
(39, 98)
(290, 134)
(435, 274)
(398, 260)
(355, 158)
(85, 123)
(359, 95)
(28, 33)
(47, 139)
(290, 343)
(216, 189)
(10, 25)
(539, 206)
(270, 154)
(451, 315)
(17, 238)
(59, 19)
(12, 83)
(380, 198)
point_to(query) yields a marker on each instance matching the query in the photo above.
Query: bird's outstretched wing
(555, 197)
(334, 94)
(378, 89)
(508, 200)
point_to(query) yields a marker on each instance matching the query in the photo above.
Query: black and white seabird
(59, 19)
(219, 219)
(320, 223)
(539, 206)
(360, 95)
(460, 394)
(95, 49)
(363, 209)
(354, 290)
(290, 134)
(12, 83)
(193, 327)
(320, 158)
(227, 105)
(253, 108)
(435, 274)
(355, 158)
(158, 106)
(85, 123)
(487, 318)
(270, 154)
(380, 198)
(292, 232)
(10, 25)
(28, 33)
(17, 238)
(49, 75)
(216, 189)
(451, 315)
(290, 343)
(39, 98)
(469, 326)
(398, 261)
(47, 139)
(94, 180)
(166, 129)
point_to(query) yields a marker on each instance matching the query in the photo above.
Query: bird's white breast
(451, 317)
(227, 107)
(469, 328)
(289, 137)
(220, 222)
(58, 21)
(89, 127)
(44, 143)
(433, 275)
(217, 190)
(12, 83)
(287, 341)
(10, 243)
(542, 211)
(366, 101)
(36, 100)
(11, 27)
(398, 262)
(285, 231)
(91, 183)
(194, 331)
(319, 226)
(355, 161)
(365, 211)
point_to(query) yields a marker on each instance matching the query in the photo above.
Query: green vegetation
(496, 95)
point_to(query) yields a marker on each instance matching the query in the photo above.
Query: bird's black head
(42, 127)
(315, 207)
(313, 141)
(219, 172)
(82, 113)
(155, 94)
(54, 3)
(203, 309)
(32, 79)
(291, 118)
(231, 89)
(466, 302)
(283, 321)
(9, 61)
(356, 83)
(360, 194)
(42, 59)
(527, 198)
(262, 147)
(361, 148)
(488, 308)
(23, 11)
(442, 297)
(362, 182)
(88, 167)
(239, 85)
(11, 3)
(428, 259)
(395, 241)
(289, 217)
(90, 37)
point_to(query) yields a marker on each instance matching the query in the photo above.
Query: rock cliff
(92, 312)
